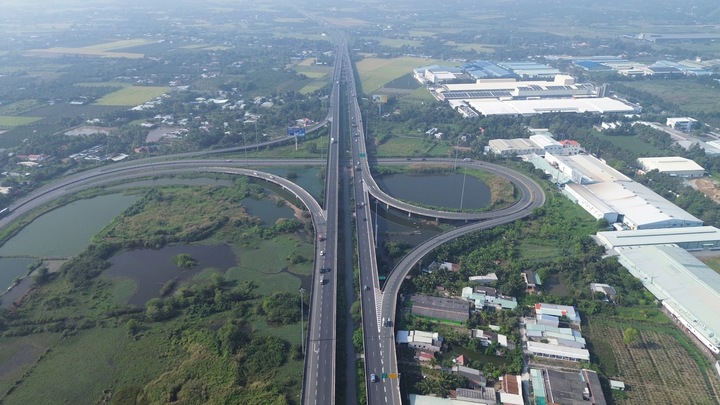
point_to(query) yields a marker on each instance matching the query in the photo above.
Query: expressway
(378, 301)
(320, 358)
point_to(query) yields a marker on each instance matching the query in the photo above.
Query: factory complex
(517, 89)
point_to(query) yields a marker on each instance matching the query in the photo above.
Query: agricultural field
(318, 73)
(690, 96)
(481, 48)
(133, 95)
(7, 121)
(62, 51)
(375, 72)
(662, 367)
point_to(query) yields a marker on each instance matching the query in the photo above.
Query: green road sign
(384, 375)
(362, 155)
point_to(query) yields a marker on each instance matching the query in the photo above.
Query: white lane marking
(381, 361)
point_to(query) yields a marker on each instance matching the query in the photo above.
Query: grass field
(483, 48)
(412, 147)
(103, 84)
(7, 121)
(88, 363)
(375, 72)
(712, 262)
(633, 144)
(690, 96)
(132, 95)
(397, 42)
(59, 51)
(126, 43)
(655, 366)
(18, 107)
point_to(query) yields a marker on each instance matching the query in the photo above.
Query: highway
(320, 359)
(378, 301)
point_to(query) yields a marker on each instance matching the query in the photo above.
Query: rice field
(133, 95)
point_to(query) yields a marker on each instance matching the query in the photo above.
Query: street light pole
(376, 224)
(302, 325)
(462, 194)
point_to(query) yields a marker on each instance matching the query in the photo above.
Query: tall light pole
(302, 325)
(377, 225)
(462, 194)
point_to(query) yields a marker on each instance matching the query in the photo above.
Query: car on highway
(366, 287)
(322, 253)
(373, 378)
(322, 281)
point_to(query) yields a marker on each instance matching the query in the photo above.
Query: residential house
(532, 280)
(485, 297)
(511, 393)
(476, 377)
(481, 395)
(486, 279)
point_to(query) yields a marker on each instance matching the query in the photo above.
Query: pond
(455, 191)
(150, 269)
(267, 211)
(67, 230)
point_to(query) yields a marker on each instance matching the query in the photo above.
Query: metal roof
(665, 236)
(673, 164)
(680, 280)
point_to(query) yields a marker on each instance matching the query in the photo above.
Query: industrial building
(558, 310)
(435, 74)
(692, 238)
(685, 124)
(673, 166)
(420, 340)
(540, 142)
(517, 146)
(606, 193)
(688, 289)
(580, 387)
(440, 308)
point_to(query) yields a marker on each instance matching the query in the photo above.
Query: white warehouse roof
(640, 207)
(529, 107)
(671, 164)
(685, 285)
(696, 237)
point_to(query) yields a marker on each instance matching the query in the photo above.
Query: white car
(322, 253)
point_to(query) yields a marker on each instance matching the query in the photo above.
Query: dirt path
(707, 186)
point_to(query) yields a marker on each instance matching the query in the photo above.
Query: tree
(358, 340)
(630, 336)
